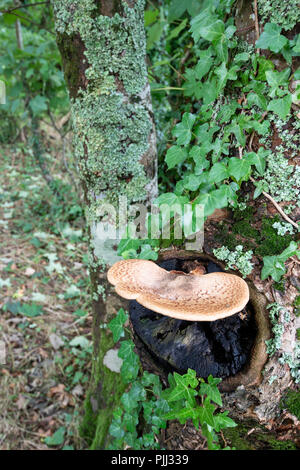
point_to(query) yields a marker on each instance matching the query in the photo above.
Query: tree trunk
(102, 44)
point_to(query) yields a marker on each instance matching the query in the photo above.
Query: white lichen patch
(112, 361)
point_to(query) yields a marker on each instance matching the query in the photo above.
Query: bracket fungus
(187, 312)
(186, 296)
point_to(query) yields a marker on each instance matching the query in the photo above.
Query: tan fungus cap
(192, 296)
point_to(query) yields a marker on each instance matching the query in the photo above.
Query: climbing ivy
(145, 401)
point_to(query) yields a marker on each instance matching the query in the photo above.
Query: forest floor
(45, 321)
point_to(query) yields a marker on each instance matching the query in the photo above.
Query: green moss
(99, 407)
(270, 243)
(259, 439)
(264, 242)
(292, 402)
(244, 229)
(282, 445)
(238, 438)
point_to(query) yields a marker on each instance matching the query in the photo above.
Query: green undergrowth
(145, 407)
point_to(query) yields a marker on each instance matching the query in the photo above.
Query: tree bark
(102, 44)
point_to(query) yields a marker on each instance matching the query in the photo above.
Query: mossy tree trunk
(102, 43)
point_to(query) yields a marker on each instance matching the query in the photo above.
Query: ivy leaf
(117, 323)
(198, 155)
(183, 130)
(257, 99)
(222, 421)
(212, 200)
(154, 33)
(176, 9)
(167, 198)
(271, 38)
(258, 159)
(212, 393)
(205, 413)
(148, 253)
(239, 168)
(57, 438)
(209, 91)
(175, 155)
(276, 79)
(221, 48)
(176, 31)
(31, 310)
(272, 267)
(291, 250)
(296, 48)
(192, 182)
(38, 104)
(281, 106)
(204, 64)
(218, 172)
(207, 25)
(227, 111)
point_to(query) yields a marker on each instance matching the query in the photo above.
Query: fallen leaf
(29, 272)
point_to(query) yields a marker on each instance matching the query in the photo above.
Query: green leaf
(147, 252)
(167, 198)
(263, 66)
(281, 106)
(257, 99)
(239, 168)
(258, 159)
(212, 200)
(191, 182)
(296, 48)
(205, 413)
(207, 25)
(272, 267)
(198, 155)
(176, 31)
(31, 310)
(176, 9)
(175, 155)
(204, 64)
(154, 34)
(116, 325)
(150, 16)
(271, 38)
(218, 172)
(183, 130)
(57, 438)
(276, 79)
(223, 421)
(291, 250)
(38, 104)
(212, 393)
(227, 111)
